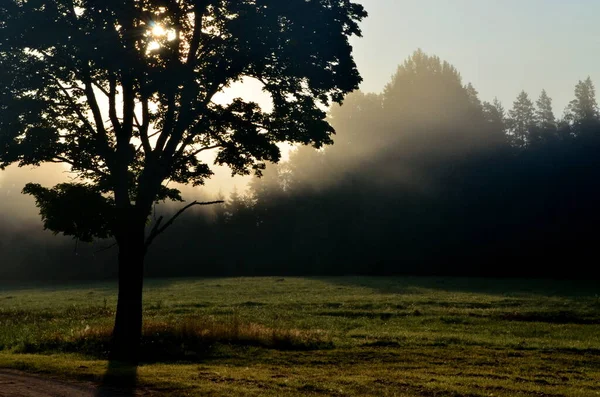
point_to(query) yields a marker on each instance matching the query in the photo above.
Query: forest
(424, 178)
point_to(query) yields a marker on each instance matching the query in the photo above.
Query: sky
(501, 46)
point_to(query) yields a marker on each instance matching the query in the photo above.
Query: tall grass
(186, 338)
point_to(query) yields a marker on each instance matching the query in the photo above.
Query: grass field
(346, 336)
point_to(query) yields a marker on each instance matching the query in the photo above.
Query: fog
(30, 252)
(424, 177)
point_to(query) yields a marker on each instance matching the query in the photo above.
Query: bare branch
(197, 152)
(106, 248)
(180, 152)
(58, 159)
(157, 229)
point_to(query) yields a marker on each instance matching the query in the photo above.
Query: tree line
(423, 178)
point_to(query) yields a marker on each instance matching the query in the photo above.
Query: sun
(158, 30)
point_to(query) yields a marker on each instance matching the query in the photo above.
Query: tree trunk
(128, 323)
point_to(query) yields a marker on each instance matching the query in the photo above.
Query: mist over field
(299, 197)
(472, 156)
(424, 177)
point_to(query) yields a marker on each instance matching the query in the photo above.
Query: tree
(495, 117)
(473, 95)
(521, 119)
(545, 123)
(123, 91)
(582, 112)
(422, 79)
(544, 115)
(584, 106)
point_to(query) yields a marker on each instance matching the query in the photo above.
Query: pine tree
(544, 114)
(521, 119)
(473, 96)
(584, 106)
(582, 113)
(495, 117)
(235, 206)
(545, 122)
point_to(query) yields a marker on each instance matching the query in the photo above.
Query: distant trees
(425, 178)
(545, 122)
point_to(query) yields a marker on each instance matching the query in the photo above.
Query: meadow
(346, 336)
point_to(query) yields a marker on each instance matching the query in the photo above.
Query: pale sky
(501, 46)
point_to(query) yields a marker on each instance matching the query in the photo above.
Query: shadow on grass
(120, 380)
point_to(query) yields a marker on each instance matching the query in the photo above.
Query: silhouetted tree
(495, 116)
(521, 119)
(95, 85)
(545, 123)
(544, 114)
(422, 180)
(582, 112)
(473, 96)
(420, 78)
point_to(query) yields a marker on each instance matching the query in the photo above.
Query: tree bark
(128, 322)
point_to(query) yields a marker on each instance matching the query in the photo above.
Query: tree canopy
(123, 91)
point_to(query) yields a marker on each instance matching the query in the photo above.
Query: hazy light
(153, 45)
(158, 31)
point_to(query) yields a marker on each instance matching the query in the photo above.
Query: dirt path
(20, 384)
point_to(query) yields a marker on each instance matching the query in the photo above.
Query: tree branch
(144, 127)
(128, 111)
(84, 75)
(93, 104)
(196, 152)
(170, 121)
(112, 104)
(106, 248)
(168, 125)
(195, 42)
(176, 138)
(73, 105)
(157, 229)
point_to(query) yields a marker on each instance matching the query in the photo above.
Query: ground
(348, 336)
(19, 384)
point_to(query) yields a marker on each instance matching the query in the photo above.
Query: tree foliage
(401, 192)
(521, 119)
(123, 91)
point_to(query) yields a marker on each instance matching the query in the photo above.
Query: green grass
(326, 336)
